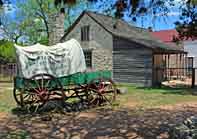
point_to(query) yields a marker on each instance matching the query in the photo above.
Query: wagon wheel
(101, 91)
(38, 90)
(20, 95)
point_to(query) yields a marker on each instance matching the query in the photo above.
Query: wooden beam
(193, 77)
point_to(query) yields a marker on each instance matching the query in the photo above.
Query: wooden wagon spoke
(50, 88)
(37, 91)
(109, 91)
(55, 93)
(107, 99)
(94, 90)
(42, 82)
(25, 96)
(37, 85)
(31, 97)
(47, 83)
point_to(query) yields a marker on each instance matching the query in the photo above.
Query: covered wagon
(58, 73)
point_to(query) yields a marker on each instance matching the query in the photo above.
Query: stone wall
(56, 28)
(100, 43)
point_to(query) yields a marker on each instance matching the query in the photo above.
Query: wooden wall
(132, 63)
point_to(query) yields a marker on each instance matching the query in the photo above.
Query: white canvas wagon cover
(59, 60)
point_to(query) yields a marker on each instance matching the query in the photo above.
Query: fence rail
(177, 76)
(7, 72)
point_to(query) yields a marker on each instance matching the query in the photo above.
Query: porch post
(169, 66)
(176, 65)
(165, 73)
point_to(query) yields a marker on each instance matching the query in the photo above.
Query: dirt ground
(128, 122)
(101, 123)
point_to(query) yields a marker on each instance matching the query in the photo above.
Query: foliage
(36, 14)
(136, 8)
(31, 25)
(7, 52)
(1, 2)
(187, 26)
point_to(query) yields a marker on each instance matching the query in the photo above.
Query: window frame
(85, 33)
(88, 58)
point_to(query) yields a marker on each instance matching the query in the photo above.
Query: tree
(138, 7)
(7, 53)
(187, 26)
(9, 28)
(36, 15)
(1, 3)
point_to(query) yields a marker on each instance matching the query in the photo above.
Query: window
(88, 58)
(85, 33)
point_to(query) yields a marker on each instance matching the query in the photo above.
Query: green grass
(140, 97)
(7, 102)
(151, 97)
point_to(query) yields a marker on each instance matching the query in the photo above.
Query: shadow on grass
(170, 90)
(57, 106)
(101, 123)
(52, 106)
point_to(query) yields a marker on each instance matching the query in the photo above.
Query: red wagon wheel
(38, 90)
(102, 91)
(20, 95)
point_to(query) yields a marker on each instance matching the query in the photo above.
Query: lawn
(153, 97)
(136, 97)
(7, 102)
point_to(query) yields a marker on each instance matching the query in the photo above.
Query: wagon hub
(43, 94)
(101, 91)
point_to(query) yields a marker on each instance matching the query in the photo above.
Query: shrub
(7, 52)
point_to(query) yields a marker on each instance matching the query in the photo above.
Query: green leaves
(7, 51)
(68, 2)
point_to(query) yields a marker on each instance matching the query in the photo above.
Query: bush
(7, 52)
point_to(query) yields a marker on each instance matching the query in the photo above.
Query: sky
(159, 23)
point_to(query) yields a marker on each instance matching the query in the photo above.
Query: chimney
(56, 28)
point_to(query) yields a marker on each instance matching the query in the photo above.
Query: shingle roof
(165, 35)
(120, 28)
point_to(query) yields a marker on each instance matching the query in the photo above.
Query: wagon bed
(93, 88)
(74, 79)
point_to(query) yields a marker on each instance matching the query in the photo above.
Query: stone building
(112, 44)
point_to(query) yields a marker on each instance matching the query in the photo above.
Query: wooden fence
(177, 77)
(7, 72)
